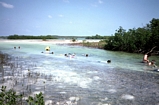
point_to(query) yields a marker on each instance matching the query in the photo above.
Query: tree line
(15, 36)
(31, 37)
(97, 37)
(135, 40)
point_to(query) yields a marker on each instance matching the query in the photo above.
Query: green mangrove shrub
(11, 98)
(73, 39)
(37, 100)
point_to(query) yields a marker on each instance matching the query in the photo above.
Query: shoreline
(52, 41)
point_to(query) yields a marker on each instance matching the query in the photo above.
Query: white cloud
(6, 5)
(60, 15)
(100, 1)
(49, 16)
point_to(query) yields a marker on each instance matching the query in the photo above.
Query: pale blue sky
(74, 17)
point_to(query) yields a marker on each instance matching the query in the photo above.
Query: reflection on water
(76, 81)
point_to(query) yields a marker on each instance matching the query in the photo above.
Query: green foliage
(37, 100)
(135, 40)
(31, 37)
(97, 37)
(70, 37)
(11, 98)
(44, 39)
(15, 36)
(99, 44)
(154, 29)
(73, 39)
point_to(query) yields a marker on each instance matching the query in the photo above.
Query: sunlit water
(74, 81)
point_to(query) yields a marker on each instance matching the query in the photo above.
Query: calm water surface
(74, 81)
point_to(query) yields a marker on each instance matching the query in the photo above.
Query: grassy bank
(85, 43)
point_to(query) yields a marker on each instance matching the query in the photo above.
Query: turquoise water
(79, 77)
(96, 56)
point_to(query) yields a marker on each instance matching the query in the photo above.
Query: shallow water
(76, 81)
(96, 56)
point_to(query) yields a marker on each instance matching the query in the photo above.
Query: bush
(73, 39)
(11, 98)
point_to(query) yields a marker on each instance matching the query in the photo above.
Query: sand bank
(53, 41)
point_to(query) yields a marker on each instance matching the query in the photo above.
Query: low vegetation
(31, 37)
(97, 37)
(74, 39)
(85, 43)
(10, 97)
(43, 37)
(99, 44)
